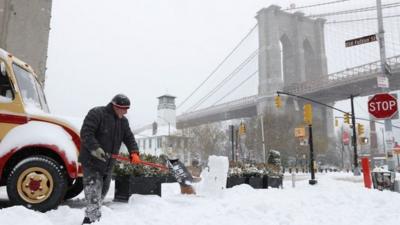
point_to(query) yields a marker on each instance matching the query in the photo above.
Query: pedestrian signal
(307, 113)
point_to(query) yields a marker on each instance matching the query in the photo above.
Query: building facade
(162, 137)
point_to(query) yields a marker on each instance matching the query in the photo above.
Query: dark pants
(95, 186)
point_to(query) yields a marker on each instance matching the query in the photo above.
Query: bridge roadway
(360, 81)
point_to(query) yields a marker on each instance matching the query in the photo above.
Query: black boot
(86, 220)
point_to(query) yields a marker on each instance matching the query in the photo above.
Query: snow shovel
(175, 167)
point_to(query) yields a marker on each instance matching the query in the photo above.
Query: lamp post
(169, 125)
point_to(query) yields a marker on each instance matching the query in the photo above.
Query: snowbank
(336, 199)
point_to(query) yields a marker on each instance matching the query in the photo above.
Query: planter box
(232, 181)
(125, 186)
(275, 181)
(265, 181)
(255, 182)
(122, 192)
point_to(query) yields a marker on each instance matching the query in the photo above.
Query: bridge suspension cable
(352, 23)
(316, 5)
(235, 88)
(225, 80)
(358, 10)
(358, 20)
(218, 66)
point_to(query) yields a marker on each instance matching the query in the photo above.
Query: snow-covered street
(338, 198)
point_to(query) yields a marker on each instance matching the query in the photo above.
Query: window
(159, 142)
(144, 143)
(6, 93)
(31, 90)
(150, 140)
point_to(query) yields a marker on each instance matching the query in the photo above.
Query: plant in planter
(254, 176)
(235, 174)
(274, 170)
(138, 179)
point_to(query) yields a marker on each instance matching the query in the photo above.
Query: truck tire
(37, 182)
(75, 188)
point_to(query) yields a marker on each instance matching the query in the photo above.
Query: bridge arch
(309, 60)
(287, 57)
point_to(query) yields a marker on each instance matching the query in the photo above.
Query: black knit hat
(121, 101)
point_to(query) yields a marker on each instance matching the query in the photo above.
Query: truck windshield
(31, 91)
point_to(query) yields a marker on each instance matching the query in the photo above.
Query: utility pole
(383, 141)
(384, 67)
(263, 138)
(357, 172)
(232, 128)
(237, 143)
(310, 142)
(381, 37)
(342, 145)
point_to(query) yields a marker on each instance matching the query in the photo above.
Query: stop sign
(382, 106)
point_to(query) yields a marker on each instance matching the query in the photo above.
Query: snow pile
(35, 132)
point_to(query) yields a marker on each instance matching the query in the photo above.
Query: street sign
(299, 132)
(346, 138)
(360, 40)
(382, 82)
(382, 106)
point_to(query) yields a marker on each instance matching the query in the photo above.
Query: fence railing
(344, 76)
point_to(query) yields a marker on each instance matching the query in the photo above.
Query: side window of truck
(6, 92)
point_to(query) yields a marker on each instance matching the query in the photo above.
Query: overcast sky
(138, 47)
(142, 48)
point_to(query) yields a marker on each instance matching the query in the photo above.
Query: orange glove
(135, 159)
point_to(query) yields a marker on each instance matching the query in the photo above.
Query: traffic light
(242, 129)
(278, 101)
(360, 129)
(347, 118)
(307, 113)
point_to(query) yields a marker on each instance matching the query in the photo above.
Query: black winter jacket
(102, 128)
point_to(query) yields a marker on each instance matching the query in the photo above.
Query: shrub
(124, 168)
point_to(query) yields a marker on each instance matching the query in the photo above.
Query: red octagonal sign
(382, 106)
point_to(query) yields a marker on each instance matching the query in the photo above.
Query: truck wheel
(75, 188)
(37, 182)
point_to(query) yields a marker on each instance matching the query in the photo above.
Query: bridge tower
(291, 51)
(24, 31)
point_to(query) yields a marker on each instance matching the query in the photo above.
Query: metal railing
(344, 76)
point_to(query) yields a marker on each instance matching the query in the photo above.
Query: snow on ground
(338, 198)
